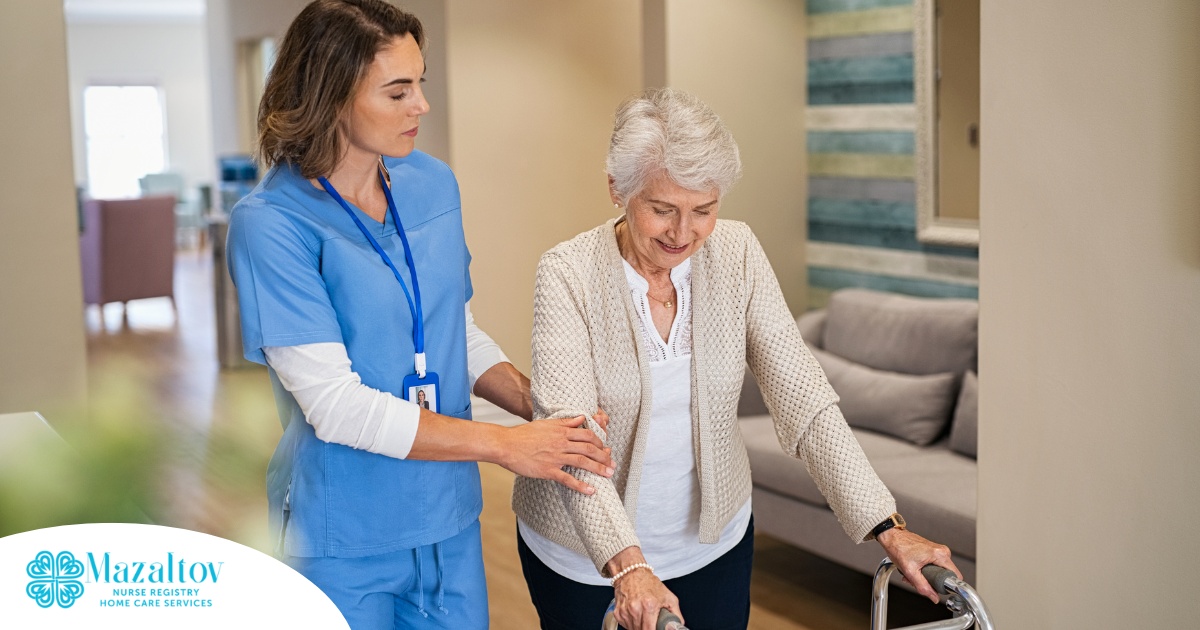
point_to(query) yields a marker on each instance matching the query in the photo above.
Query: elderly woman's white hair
(664, 129)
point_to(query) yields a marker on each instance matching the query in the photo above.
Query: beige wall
(533, 86)
(434, 138)
(42, 360)
(747, 61)
(231, 22)
(1090, 313)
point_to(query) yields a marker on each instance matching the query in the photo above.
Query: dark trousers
(715, 597)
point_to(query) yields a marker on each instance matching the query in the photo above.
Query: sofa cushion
(964, 429)
(894, 332)
(910, 407)
(812, 327)
(934, 487)
(772, 468)
(751, 402)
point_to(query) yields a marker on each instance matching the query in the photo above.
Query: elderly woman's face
(667, 222)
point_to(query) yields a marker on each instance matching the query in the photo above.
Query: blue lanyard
(413, 308)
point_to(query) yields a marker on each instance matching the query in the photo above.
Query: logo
(124, 575)
(55, 579)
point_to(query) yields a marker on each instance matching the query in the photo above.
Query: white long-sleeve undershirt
(344, 411)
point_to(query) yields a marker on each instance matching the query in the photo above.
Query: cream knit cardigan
(587, 354)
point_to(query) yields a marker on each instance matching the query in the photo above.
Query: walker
(962, 600)
(958, 596)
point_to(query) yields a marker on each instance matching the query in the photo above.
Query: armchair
(127, 249)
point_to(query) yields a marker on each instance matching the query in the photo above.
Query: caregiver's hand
(541, 449)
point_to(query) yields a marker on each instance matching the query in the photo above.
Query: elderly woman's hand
(911, 553)
(601, 419)
(639, 593)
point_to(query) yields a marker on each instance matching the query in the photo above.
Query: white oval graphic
(114, 575)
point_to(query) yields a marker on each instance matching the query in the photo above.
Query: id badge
(422, 392)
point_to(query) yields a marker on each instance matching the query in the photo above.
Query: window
(126, 138)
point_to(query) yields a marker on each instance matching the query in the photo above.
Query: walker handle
(668, 621)
(938, 577)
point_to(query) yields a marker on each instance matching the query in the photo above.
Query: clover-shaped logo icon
(55, 579)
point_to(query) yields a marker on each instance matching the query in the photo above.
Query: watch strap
(895, 520)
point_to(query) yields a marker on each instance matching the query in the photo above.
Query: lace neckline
(679, 341)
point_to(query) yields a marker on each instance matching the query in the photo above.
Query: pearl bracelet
(630, 568)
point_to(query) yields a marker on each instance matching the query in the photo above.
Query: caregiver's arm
(343, 410)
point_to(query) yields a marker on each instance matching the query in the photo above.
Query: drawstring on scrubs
(441, 587)
(420, 584)
(441, 592)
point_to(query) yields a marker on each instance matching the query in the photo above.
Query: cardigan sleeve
(808, 422)
(563, 381)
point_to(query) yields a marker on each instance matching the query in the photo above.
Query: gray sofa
(904, 368)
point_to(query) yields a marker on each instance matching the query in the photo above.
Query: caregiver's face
(386, 110)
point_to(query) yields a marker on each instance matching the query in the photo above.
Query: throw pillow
(915, 408)
(900, 333)
(964, 431)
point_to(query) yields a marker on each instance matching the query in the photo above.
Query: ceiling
(133, 10)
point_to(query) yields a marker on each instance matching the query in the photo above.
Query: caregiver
(353, 280)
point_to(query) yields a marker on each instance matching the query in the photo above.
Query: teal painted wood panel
(877, 94)
(832, 279)
(815, 7)
(895, 142)
(859, 188)
(862, 213)
(876, 70)
(884, 237)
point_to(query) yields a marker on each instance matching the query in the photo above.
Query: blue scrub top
(306, 274)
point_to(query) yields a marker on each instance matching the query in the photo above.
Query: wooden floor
(224, 427)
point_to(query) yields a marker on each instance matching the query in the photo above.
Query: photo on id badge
(425, 396)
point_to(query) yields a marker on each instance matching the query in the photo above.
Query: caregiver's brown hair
(323, 57)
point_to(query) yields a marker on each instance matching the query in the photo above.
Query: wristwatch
(895, 520)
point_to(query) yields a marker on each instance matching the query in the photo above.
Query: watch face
(899, 520)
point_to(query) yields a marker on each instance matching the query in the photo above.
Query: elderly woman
(653, 316)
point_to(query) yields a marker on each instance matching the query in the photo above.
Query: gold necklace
(622, 247)
(668, 303)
